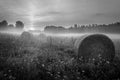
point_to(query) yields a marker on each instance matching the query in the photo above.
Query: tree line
(5, 25)
(104, 28)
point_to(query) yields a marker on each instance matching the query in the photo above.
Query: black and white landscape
(59, 40)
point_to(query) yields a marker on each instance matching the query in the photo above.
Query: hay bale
(42, 37)
(95, 47)
(26, 35)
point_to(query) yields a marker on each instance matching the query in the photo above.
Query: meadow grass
(22, 59)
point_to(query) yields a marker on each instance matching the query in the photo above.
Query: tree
(3, 24)
(11, 25)
(19, 24)
(75, 26)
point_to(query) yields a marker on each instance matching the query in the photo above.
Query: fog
(36, 33)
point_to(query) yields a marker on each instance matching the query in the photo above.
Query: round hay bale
(26, 35)
(95, 47)
(42, 37)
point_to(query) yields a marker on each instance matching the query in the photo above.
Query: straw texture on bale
(26, 34)
(95, 47)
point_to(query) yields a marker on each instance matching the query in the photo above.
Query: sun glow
(32, 13)
(31, 28)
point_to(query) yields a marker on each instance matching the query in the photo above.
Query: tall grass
(22, 59)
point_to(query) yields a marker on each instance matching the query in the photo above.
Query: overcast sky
(38, 13)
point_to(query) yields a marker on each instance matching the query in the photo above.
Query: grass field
(46, 58)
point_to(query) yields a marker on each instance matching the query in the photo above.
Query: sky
(36, 14)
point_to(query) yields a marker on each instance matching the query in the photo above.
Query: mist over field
(28, 56)
(59, 40)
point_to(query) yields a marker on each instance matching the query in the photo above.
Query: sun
(32, 28)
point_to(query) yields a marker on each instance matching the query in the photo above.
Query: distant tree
(75, 25)
(54, 29)
(117, 23)
(3, 24)
(19, 24)
(11, 25)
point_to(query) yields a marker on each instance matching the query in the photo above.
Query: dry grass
(33, 60)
